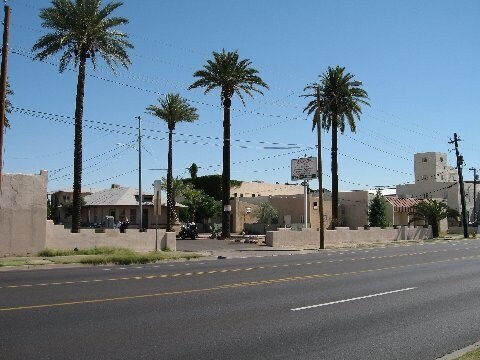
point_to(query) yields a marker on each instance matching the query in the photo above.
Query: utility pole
(140, 197)
(3, 84)
(319, 171)
(475, 177)
(460, 180)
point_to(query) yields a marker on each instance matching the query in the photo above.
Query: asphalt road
(406, 302)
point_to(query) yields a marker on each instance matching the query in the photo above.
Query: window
(133, 216)
(315, 205)
(253, 195)
(424, 159)
(121, 215)
(441, 159)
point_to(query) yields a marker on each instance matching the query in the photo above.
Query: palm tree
(8, 104)
(82, 30)
(337, 102)
(177, 188)
(193, 170)
(432, 211)
(172, 109)
(232, 76)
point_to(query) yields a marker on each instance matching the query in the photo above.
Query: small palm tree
(338, 100)
(432, 211)
(173, 109)
(82, 30)
(232, 76)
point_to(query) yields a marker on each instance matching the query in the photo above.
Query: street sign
(304, 168)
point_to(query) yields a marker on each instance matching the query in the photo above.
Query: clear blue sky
(418, 60)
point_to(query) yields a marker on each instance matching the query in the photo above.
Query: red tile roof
(402, 204)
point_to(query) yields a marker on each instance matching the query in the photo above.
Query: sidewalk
(237, 247)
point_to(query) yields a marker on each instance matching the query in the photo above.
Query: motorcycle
(188, 230)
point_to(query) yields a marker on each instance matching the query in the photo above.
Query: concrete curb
(460, 352)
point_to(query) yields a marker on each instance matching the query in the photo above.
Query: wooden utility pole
(320, 171)
(475, 176)
(460, 180)
(3, 84)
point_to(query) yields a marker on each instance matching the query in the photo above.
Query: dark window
(133, 216)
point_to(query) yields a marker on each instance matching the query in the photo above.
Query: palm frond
(229, 74)
(83, 28)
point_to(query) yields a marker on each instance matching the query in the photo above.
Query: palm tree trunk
(226, 169)
(435, 228)
(170, 199)
(77, 152)
(334, 172)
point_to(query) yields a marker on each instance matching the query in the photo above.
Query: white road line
(352, 299)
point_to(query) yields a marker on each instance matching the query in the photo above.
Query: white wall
(308, 237)
(60, 238)
(23, 213)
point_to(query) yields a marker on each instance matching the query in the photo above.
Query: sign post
(304, 169)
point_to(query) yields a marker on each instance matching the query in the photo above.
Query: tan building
(291, 211)
(118, 202)
(260, 188)
(434, 179)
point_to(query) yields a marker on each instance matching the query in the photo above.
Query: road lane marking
(162, 276)
(353, 299)
(226, 286)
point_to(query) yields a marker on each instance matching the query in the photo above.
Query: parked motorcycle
(188, 230)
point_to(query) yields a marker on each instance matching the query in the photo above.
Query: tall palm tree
(82, 30)
(172, 109)
(340, 100)
(177, 188)
(232, 76)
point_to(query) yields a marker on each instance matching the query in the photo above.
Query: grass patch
(14, 262)
(92, 251)
(127, 257)
(23, 262)
(472, 355)
(96, 256)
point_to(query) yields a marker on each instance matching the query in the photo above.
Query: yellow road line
(226, 286)
(150, 277)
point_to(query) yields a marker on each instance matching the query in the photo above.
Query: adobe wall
(23, 213)
(60, 238)
(309, 237)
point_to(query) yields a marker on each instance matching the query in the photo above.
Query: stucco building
(435, 179)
